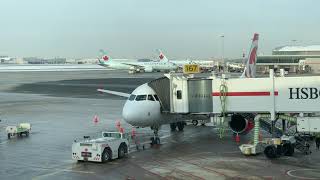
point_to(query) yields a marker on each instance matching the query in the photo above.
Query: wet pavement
(61, 106)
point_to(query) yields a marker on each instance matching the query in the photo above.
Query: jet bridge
(244, 95)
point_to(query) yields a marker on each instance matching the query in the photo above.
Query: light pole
(222, 52)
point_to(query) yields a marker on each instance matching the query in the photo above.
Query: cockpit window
(150, 98)
(141, 97)
(131, 98)
(156, 97)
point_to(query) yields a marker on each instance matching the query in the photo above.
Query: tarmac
(61, 105)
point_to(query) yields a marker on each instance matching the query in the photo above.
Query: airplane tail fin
(250, 68)
(162, 57)
(104, 58)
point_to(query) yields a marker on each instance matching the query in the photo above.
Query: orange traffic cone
(118, 125)
(237, 138)
(121, 130)
(133, 132)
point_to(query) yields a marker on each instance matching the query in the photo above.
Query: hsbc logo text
(304, 93)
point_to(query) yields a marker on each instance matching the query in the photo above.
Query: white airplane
(5, 58)
(143, 106)
(133, 67)
(235, 67)
(204, 64)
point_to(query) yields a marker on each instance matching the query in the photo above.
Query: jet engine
(239, 124)
(148, 69)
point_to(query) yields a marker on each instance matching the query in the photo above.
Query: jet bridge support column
(284, 128)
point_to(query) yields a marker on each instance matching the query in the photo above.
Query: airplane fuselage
(146, 66)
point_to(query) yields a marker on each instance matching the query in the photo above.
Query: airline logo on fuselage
(304, 93)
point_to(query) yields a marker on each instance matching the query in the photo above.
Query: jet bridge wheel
(194, 122)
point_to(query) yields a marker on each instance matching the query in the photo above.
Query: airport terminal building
(296, 59)
(36, 60)
(297, 50)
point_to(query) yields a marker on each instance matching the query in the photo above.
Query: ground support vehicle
(110, 146)
(19, 130)
(272, 147)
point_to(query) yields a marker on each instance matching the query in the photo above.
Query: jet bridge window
(156, 97)
(131, 98)
(179, 94)
(141, 97)
(150, 98)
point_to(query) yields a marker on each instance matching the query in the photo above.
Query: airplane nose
(125, 113)
(128, 114)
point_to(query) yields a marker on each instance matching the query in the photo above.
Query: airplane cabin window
(131, 98)
(156, 97)
(150, 98)
(141, 97)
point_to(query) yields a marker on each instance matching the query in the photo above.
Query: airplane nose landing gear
(155, 140)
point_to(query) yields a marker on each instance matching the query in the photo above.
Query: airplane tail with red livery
(250, 68)
(162, 57)
(104, 58)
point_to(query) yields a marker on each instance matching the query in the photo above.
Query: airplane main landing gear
(173, 126)
(180, 126)
(155, 140)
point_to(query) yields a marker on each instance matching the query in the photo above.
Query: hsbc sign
(273, 94)
(304, 93)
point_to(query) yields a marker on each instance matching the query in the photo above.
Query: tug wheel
(106, 155)
(122, 151)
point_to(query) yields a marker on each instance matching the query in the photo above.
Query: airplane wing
(117, 93)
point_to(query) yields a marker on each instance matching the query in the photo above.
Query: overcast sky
(135, 28)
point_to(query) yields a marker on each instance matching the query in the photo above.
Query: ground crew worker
(318, 141)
